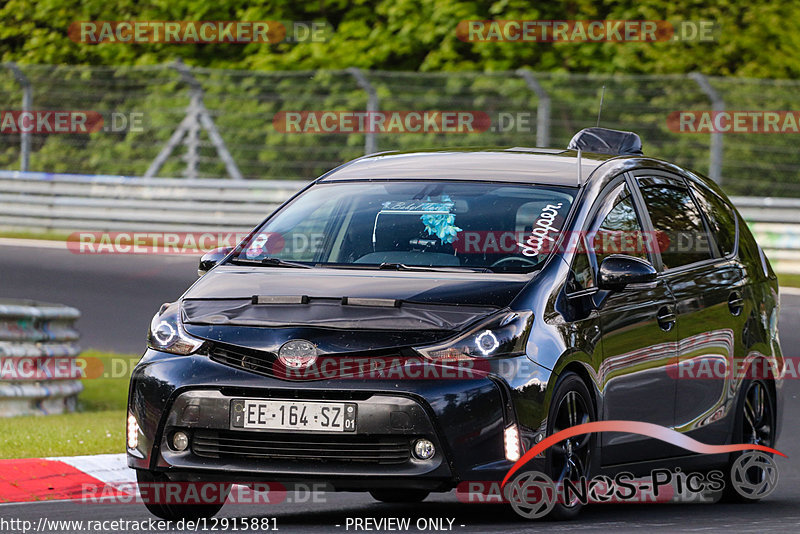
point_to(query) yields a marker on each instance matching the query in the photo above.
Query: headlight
(503, 334)
(167, 334)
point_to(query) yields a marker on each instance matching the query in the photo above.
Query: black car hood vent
(332, 313)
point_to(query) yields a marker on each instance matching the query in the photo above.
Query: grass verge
(97, 428)
(49, 236)
(789, 280)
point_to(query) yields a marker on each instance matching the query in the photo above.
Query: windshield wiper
(403, 267)
(271, 262)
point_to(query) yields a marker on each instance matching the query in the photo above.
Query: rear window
(720, 218)
(499, 227)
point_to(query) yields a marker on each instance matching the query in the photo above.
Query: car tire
(754, 423)
(175, 512)
(572, 405)
(399, 496)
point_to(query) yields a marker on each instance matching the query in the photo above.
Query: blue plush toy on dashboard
(442, 225)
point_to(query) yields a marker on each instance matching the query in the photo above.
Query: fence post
(192, 140)
(27, 105)
(371, 141)
(717, 104)
(196, 115)
(543, 109)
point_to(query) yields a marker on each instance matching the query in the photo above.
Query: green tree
(756, 38)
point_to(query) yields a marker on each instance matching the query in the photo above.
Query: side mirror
(211, 258)
(619, 270)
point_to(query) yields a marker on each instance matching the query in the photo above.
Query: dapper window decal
(540, 233)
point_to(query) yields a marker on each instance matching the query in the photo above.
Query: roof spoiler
(605, 141)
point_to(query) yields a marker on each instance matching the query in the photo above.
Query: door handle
(666, 318)
(735, 303)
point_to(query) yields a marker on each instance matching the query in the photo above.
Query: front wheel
(173, 511)
(569, 459)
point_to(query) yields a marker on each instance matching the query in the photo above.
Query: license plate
(292, 415)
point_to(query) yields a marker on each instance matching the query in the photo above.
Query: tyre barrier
(33, 336)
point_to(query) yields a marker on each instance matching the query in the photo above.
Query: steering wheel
(521, 259)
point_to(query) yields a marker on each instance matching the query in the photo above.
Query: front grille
(246, 359)
(382, 450)
(356, 364)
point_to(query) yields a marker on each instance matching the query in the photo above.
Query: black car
(410, 321)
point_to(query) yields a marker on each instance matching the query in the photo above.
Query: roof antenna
(580, 174)
(599, 111)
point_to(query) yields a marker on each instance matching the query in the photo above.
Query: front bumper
(464, 418)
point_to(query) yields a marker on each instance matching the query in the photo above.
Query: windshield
(441, 225)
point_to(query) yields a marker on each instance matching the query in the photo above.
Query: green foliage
(397, 40)
(755, 38)
(69, 434)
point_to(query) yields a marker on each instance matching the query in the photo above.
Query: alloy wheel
(570, 459)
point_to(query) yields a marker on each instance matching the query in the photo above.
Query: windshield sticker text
(541, 230)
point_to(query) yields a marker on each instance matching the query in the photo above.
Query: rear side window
(720, 218)
(681, 232)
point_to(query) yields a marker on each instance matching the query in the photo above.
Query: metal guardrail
(775, 222)
(30, 334)
(67, 202)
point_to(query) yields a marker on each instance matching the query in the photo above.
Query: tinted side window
(720, 217)
(677, 222)
(615, 230)
(582, 276)
(619, 232)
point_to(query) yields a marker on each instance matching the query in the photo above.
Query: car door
(708, 288)
(637, 331)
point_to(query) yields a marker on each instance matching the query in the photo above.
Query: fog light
(511, 438)
(133, 432)
(180, 441)
(424, 449)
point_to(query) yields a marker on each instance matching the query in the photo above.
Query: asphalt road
(119, 294)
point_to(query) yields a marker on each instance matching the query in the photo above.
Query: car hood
(263, 307)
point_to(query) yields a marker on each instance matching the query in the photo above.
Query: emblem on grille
(297, 354)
